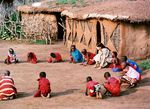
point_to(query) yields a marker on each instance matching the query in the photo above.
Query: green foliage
(11, 27)
(145, 64)
(39, 41)
(66, 1)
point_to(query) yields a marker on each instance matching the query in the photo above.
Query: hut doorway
(98, 32)
(61, 25)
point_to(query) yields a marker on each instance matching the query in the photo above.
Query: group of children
(31, 57)
(103, 59)
(107, 59)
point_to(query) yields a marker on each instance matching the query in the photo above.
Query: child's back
(44, 89)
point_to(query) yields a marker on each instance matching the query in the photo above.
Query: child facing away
(88, 57)
(11, 57)
(75, 55)
(44, 89)
(54, 57)
(31, 57)
(115, 66)
(131, 76)
(7, 88)
(92, 88)
(112, 84)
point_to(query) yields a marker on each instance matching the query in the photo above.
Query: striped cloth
(7, 88)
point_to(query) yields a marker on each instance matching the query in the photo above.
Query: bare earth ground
(67, 83)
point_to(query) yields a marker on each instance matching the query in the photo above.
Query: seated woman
(116, 67)
(103, 58)
(54, 57)
(11, 57)
(75, 55)
(131, 76)
(88, 57)
(31, 57)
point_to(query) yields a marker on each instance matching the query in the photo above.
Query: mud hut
(121, 25)
(42, 20)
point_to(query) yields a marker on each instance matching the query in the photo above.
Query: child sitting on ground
(31, 57)
(7, 87)
(54, 57)
(75, 55)
(88, 57)
(92, 88)
(44, 89)
(112, 84)
(11, 57)
(116, 67)
(131, 63)
(131, 76)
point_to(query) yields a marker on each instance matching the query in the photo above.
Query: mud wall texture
(132, 40)
(87, 33)
(136, 40)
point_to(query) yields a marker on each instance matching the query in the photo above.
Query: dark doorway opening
(98, 31)
(60, 23)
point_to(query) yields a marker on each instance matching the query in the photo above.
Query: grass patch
(40, 42)
(145, 64)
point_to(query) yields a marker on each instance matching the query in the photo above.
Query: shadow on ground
(66, 92)
(23, 95)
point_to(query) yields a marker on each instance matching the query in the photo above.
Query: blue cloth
(77, 56)
(116, 69)
(134, 64)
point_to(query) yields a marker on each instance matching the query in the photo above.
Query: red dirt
(67, 83)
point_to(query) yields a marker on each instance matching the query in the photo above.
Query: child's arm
(86, 92)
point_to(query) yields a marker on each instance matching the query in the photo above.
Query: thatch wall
(40, 26)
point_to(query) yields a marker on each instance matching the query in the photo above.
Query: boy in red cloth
(88, 57)
(55, 57)
(112, 84)
(44, 89)
(92, 88)
(31, 57)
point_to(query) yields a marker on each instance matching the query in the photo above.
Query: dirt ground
(67, 82)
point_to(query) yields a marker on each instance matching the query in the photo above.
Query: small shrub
(145, 64)
(66, 1)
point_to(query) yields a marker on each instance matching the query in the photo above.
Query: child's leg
(125, 79)
(97, 64)
(71, 59)
(133, 82)
(37, 94)
(91, 62)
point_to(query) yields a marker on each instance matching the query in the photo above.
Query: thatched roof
(127, 10)
(49, 6)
